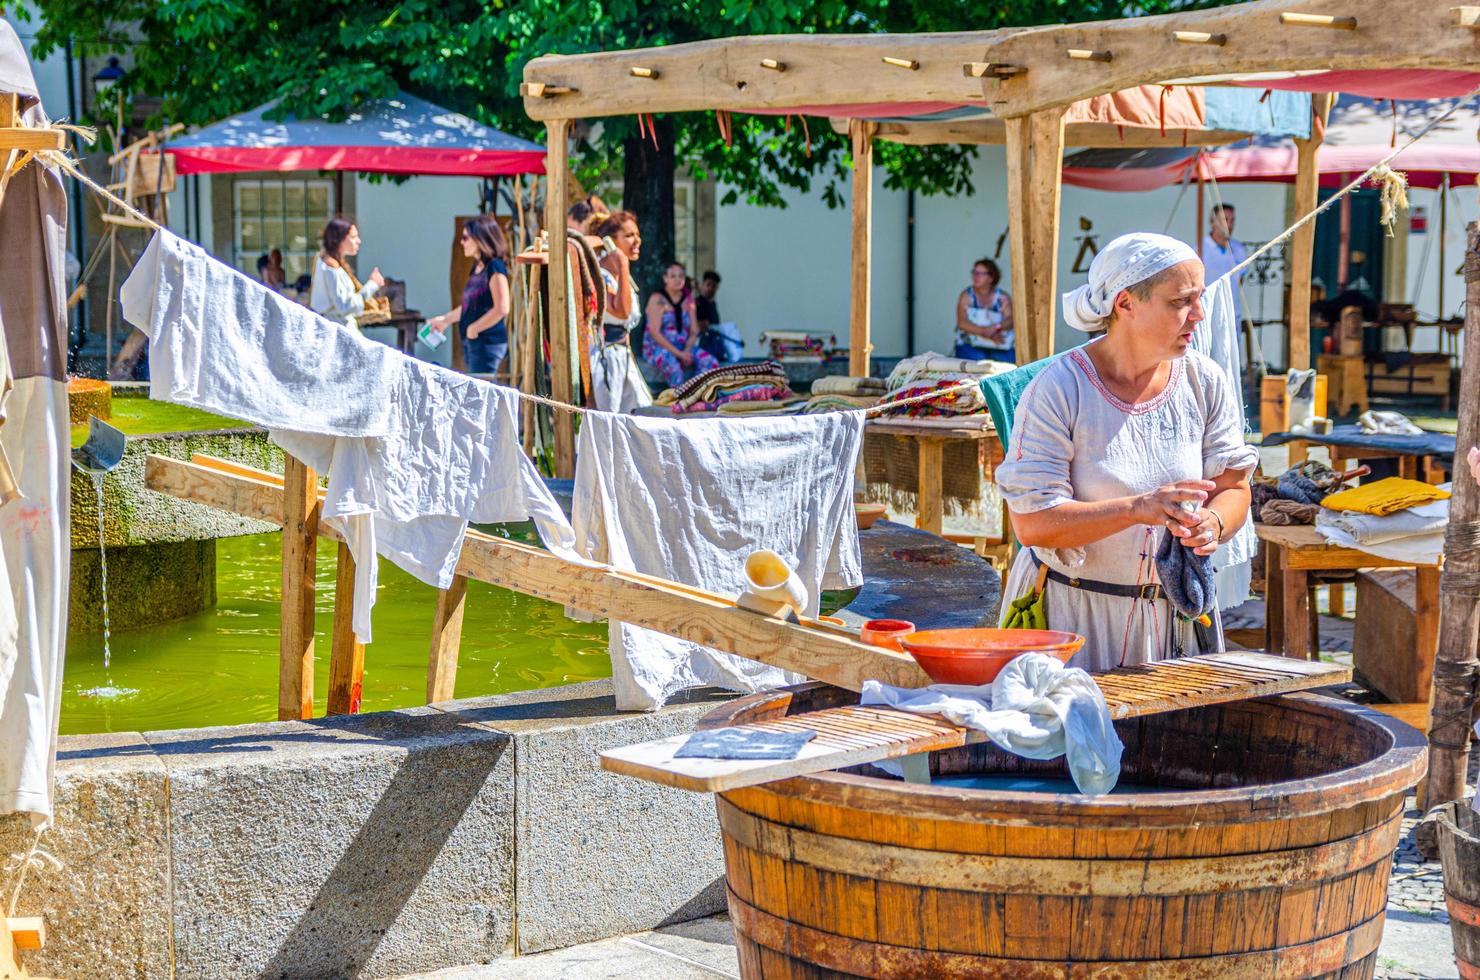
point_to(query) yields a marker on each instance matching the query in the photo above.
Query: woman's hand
(376, 277)
(473, 331)
(1201, 537)
(438, 324)
(685, 357)
(1164, 504)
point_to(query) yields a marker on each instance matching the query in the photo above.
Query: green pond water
(220, 667)
(140, 416)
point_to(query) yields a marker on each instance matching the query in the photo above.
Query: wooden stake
(860, 348)
(557, 193)
(300, 562)
(1319, 20)
(1035, 160)
(1456, 666)
(347, 653)
(1303, 243)
(447, 627)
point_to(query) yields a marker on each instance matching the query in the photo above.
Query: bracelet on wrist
(1222, 528)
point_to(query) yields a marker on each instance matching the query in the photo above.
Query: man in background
(1220, 252)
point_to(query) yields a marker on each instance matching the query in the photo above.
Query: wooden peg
(908, 63)
(1320, 20)
(1084, 54)
(988, 69)
(539, 90)
(1466, 16)
(773, 64)
(1200, 37)
(643, 72)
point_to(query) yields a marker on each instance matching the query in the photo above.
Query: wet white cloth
(1036, 708)
(1387, 423)
(1126, 261)
(333, 294)
(1219, 336)
(412, 451)
(1072, 439)
(689, 500)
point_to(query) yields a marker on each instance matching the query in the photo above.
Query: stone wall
(370, 845)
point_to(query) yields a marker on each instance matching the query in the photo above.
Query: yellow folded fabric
(1384, 497)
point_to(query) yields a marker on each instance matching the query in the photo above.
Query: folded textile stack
(931, 366)
(838, 403)
(962, 401)
(859, 387)
(1368, 522)
(765, 381)
(795, 345)
(770, 406)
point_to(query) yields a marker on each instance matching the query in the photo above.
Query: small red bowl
(977, 656)
(867, 514)
(886, 632)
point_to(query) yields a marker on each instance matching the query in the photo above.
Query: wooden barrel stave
(839, 875)
(1459, 852)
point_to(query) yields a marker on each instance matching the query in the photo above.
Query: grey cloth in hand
(1186, 577)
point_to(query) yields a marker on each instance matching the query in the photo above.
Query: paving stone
(107, 909)
(360, 846)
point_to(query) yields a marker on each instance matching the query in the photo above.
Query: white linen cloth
(1072, 439)
(689, 500)
(1036, 708)
(617, 384)
(1412, 535)
(412, 451)
(1387, 423)
(1218, 261)
(333, 295)
(1218, 336)
(1126, 261)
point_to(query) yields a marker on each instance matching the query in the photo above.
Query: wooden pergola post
(1303, 243)
(1456, 667)
(1035, 164)
(346, 652)
(557, 192)
(860, 345)
(300, 562)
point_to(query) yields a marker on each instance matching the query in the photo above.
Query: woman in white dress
(1116, 440)
(616, 382)
(336, 294)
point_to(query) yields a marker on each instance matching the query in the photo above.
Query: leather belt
(1150, 591)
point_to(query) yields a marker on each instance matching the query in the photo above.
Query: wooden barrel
(1459, 851)
(1266, 853)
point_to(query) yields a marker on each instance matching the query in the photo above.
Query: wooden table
(1292, 554)
(930, 437)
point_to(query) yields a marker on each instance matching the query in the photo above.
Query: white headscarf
(1126, 261)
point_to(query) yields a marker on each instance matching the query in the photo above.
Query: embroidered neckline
(1140, 408)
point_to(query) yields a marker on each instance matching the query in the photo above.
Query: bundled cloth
(734, 382)
(1186, 577)
(962, 401)
(839, 403)
(853, 387)
(1036, 708)
(413, 451)
(1384, 496)
(931, 366)
(1284, 513)
(1413, 535)
(1387, 424)
(1309, 482)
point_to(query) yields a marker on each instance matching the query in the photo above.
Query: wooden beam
(1035, 162)
(762, 72)
(1303, 243)
(1400, 33)
(300, 562)
(993, 132)
(860, 346)
(347, 654)
(447, 626)
(557, 194)
(32, 138)
(826, 654)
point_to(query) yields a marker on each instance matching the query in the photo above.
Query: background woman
(984, 317)
(336, 294)
(485, 299)
(1110, 441)
(617, 383)
(672, 340)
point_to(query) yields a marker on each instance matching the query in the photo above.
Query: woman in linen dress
(616, 381)
(1117, 442)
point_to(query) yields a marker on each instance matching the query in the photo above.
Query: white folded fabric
(1036, 708)
(1366, 529)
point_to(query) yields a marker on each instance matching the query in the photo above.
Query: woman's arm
(963, 323)
(1006, 324)
(1230, 502)
(1076, 523)
(498, 291)
(343, 296)
(655, 312)
(695, 328)
(619, 303)
(441, 322)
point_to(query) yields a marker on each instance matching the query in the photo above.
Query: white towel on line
(1036, 708)
(689, 500)
(412, 451)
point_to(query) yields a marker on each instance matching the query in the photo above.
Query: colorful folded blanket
(965, 401)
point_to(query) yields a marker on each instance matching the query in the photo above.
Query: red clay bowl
(868, 513)
(977, 656)
(886, 632)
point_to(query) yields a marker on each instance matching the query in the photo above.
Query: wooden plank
(993, 132)
(32, 138)
(860, 346)
(679, 610)
(1035, 156)
(890, 734)
(1302, 245)
(557, 194)
(730, 73)
(1297, 609)
(957, 427)
(300, 509)
(447, 624)
(347, 653)
(930, 504)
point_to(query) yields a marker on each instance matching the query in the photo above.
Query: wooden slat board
(853, 735)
